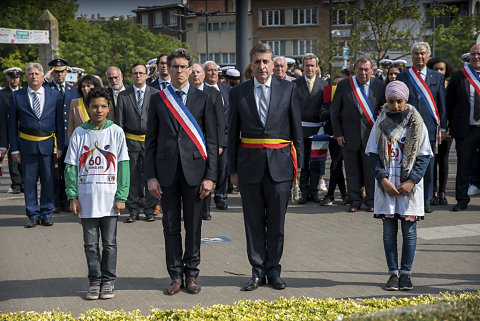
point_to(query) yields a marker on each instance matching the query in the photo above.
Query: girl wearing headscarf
(399, 151)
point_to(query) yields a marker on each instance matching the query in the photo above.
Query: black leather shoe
(302, 200)
(131, 218)
(459, 207)
(46, 222)
(254, 283)
(150, 218)
(31, 223)
(428, 208)
(277, 283)
(207, 217)
(221, 205)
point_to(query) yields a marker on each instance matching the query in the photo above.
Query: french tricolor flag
(319, 150)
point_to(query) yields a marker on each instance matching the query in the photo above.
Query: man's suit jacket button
(179, 138)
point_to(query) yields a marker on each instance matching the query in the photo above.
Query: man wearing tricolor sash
(353, 111)
(463, 110)
(181, 166)
(427, 94)
(264, 131)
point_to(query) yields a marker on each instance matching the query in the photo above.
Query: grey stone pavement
(328, 253)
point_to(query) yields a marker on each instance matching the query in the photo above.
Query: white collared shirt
(139, 89)
(202, 85)
(313, 79)
(41, 97)
(185, 91)
(423, 73)
(58, 86)
(160, 81)
(258, 91)
(14, 89)
(214, 86)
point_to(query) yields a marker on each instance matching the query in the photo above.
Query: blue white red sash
(319, 149)
(422, 88)
(184, 118)
(363, 103)
(472, 77)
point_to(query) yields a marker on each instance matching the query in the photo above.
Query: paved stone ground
(328, 253)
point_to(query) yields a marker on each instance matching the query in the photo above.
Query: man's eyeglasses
(138, 73)
(179, 67)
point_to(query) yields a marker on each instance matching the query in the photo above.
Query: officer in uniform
(69, 92)
(15, 169)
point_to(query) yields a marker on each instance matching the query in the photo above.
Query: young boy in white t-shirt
(97, 182)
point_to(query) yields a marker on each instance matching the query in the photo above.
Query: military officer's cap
(385, 63)
(290, 61)
(399, 63)
(58, 64)
(13, 72)
(232, 73)
(466, 57)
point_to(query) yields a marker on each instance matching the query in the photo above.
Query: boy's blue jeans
(101, 268)
(409, 234)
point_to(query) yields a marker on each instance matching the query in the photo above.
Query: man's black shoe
(428, 208)
(302, 200)
(254, 283)
(31, 223)
(277, 283)
(16, 190)
(221, 205)
(459, 207)
(46, 222)
(207, 217)
(316, 198)
(150, 218)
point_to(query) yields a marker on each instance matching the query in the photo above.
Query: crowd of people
(172, 138)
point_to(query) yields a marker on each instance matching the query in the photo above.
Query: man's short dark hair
(98, 93)
(138, 63)
(180, 53)
(88, 78)
(160, 57)
(261, 48)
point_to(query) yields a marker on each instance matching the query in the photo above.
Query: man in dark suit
(181, 166)
(35, 118)
(196, 79)
(221, 188)
(115, 84)
(435, 83)
(280, 69)
(132, 106)
(163, 79)
(309, 89)
(14, 168)
(69, 92)
(265, 113)
(352, 114)
(463, 110)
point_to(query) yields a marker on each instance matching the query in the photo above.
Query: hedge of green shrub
(281, 309)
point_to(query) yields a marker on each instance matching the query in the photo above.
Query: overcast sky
(113, 8)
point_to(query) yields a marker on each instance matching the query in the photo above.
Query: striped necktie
(140, 101)
(36, 104)
(263, 105)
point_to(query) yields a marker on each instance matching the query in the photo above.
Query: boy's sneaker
(327, 201)
(322, 186)
(93, 292)
(107, 290)
(405, 282)
(393, 283)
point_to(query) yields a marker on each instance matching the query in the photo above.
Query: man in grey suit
(309, 89)
(264, 126)
(280, 68)
(181, 168)
(133, 105)
(352, 121)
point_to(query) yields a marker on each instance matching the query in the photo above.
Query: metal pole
(206, 29)
(241, 9)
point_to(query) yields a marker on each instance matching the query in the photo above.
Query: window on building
(278, 46)
(305, 16)
(301, 47)
(158, 19)
(172, 18)
(228, 58)
(201, 27)
(340, 17)
(144, 19)
(273, 17)
(217, 26)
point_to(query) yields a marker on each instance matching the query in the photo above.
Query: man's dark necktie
(62, 91)
(179, 94)
(476, 107)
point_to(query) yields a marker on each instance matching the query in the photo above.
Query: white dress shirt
(185, 91)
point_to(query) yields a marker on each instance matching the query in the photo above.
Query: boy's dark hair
(89, 78)
(98, 93)
(180, 53)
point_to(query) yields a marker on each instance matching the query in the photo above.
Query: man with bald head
(280, 69)
(463, 114)
(211, 80)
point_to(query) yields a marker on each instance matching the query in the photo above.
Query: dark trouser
(101, 268)
(34, 167)
(15, 170)
(60, 195)
(466, 148)
(440, 169)
(359, 173)
(336, 169)
(310, 174)
(221, 186)
(137, 186)
(428, 182)
(475, 178)
(264, 207)
(175, 196)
